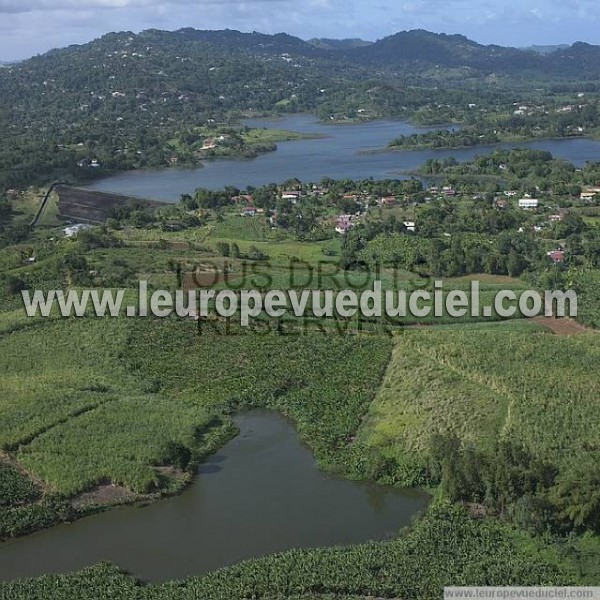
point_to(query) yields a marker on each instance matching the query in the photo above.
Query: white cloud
(18, 6)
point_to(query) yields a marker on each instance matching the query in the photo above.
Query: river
(262, 493)
(339, 155)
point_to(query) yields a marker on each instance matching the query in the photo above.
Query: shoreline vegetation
(265, 140)
(418, 557)
(361, 459)
(253, 143)
(428, 142)
(168, 465)
(262, 140)
(43, 508)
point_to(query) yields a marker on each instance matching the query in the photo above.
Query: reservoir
(262, 493)
(345, 151)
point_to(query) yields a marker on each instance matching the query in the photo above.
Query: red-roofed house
(556, 256)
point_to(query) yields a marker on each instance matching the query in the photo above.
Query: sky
(29, 27)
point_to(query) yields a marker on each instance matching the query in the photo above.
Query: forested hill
(418, 50)
(346, 44)
(415, 51)
(412, 51)
(546, 49)
(135, 100)
(130, 101)
(233, 41)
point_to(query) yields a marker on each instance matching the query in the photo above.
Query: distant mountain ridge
(415, 51)
(424, 47)
(232, 39)
(419, 49)
(346, 44)
(546, 49)
(407, 52)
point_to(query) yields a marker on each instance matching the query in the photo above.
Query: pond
(262, 493)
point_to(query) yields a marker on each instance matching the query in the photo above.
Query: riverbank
(146, 397)
(136, 367)
(209, 526)
(254, 143)
(447, 544)
(48, 508)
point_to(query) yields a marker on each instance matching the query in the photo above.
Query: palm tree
(577, 494)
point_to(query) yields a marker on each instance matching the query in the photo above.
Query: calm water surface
(261, 494)
(339, 155)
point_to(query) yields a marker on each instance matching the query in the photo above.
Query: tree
(223, 248)
(14, 285)
(515, 264)
(179, 275)
(577, 494)
(255, 254)
(351, 246)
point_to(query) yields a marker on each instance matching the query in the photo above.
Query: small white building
(529, 203)
(590, 193)
(292, 197)
(410, 226)
(73, 230)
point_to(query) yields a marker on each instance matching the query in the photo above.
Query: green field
(265, 136)
(235, 227)
(87, 401)
(484, 387)
(207, 238)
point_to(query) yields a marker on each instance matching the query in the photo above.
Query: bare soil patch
(104, 495)
(563, 326)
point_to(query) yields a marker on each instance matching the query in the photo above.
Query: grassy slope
(542, 390)
(264, 136)
(278, 251)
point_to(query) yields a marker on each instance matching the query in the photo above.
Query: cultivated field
(540, 390)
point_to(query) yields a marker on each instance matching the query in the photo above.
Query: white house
(73, 230)
(529, 203)
(590, 193)
(292, 197)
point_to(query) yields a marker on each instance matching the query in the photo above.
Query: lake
(262, 493)
(339, 155)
